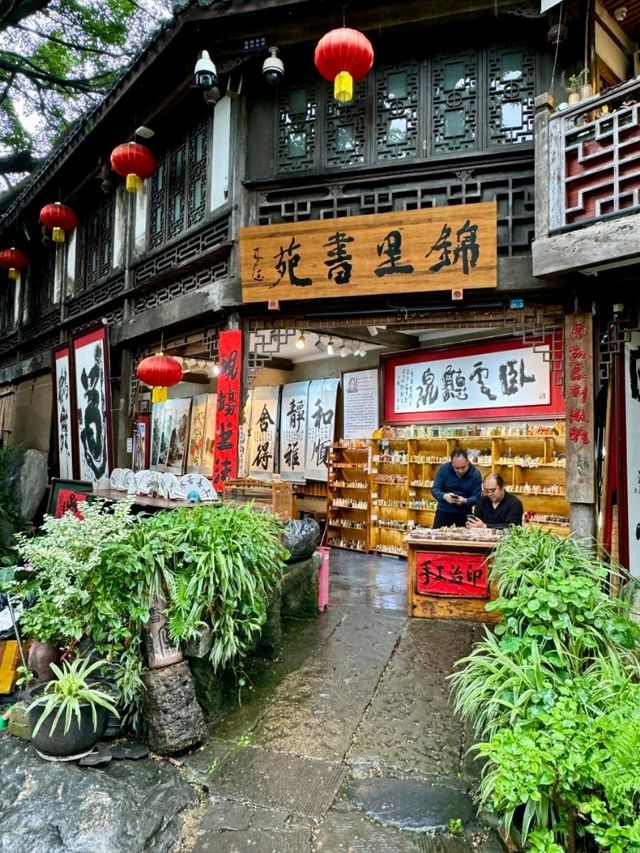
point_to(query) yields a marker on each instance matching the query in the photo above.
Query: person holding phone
(498, 508)
(457, 488)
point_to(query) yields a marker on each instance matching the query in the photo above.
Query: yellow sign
(438, 248)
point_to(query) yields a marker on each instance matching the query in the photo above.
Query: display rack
(532, 466)
(275, 496)
(348, 496)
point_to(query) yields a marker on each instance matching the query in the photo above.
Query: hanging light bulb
(300, 342)
(330, 349)
(216, 369)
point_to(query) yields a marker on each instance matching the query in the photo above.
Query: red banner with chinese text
(578, 337)
(451, 573)
(225, 454)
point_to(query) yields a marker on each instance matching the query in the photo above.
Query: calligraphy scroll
(93, 406)
(506, 380)
(451, 573)
(263, 431)
(202, 434)
(578, 338)
(293, 430)
(632, 407)
(321, 427)
(225, 456)
(63, 406)
(437, 248)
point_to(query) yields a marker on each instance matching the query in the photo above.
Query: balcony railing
(587, 170)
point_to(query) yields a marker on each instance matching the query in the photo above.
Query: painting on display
(178, 436)
(321, 427)
(93, 406)
(63, 409)
(166, 424)
(293, 430)
(632, 410)
(506, 380)
(157, 416)
(202, 431)
(263, 431)
(360, 398)
(66, 494)
(141, 455)
(228, 407)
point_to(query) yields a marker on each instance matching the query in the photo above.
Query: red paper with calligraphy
(451, 573)
(580, 408)
(225, 454)
(68, 500)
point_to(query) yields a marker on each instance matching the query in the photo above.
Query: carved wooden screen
(7, 297)
(95, 245)
(471, 100)
(179, 186)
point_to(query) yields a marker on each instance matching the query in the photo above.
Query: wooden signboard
(438, 248)
(578, 335)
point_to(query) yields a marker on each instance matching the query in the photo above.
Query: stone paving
(347, 742)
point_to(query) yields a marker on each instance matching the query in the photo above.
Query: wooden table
(147, 501)
(448, 579)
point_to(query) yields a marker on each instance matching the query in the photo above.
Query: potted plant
(577, 86)
(68, 716)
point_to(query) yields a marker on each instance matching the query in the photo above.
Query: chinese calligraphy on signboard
(508, 379)
(293, 430)
(228, 406)
(93, 405)
(321, 427)
(632, 408)
(263, 431)
(63, 404)
(451, 574)
(441, 248)
(580, 413)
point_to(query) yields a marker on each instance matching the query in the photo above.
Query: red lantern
(343, 55)
(13, 260)
(134, 162)
(59, 218)
(159, 372)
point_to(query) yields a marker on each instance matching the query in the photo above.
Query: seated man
(497, 508)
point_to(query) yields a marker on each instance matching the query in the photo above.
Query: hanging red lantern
(13, 260)
(342, 56)
(59, 218)
(134, 162)
(159, 372)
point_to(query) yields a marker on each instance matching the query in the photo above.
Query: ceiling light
(216, 369)
(320, 345)
(330, 349)
(373, 330)
(300, 342)
(620, 13)
(344, 352)
(144, 132)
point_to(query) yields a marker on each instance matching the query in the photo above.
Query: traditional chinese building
(443, 209)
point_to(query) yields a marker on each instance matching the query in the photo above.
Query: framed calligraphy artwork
(360, 392)
(263, 432)
(64, 409)
(506, 380)
(293, 430)
(66, 494)
(321, 427)
(451, 573)
(438, 248)
(228, 407)
(93, 405)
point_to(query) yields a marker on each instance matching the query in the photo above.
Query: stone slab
(256, 840)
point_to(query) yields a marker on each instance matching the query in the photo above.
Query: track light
(319, 344)
(300, 342)
(330, 349)
(344, 352)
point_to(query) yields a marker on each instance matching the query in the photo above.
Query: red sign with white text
(451, 573)
(225, 454)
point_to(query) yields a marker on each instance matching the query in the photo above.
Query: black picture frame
(57, 492)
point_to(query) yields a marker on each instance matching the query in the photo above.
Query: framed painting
(63, 409)
(93, 405)
(141, 458)
(65, 495)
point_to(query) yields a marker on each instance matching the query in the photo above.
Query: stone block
(300, 589)
(174, 718)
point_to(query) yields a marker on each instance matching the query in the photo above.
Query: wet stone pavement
(347, 742)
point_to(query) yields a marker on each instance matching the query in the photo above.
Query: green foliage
(70, 689)
(455, 826)
(554, 693)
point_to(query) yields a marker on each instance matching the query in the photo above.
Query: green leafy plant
(70, 689)
(554, 695)
(455, 826)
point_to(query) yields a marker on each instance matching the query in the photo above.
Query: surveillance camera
(273, 68)
(205, 74)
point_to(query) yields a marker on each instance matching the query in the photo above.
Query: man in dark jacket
(457, 488)
(497, 508)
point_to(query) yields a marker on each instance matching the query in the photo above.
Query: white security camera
(205, 74)
(273, 68)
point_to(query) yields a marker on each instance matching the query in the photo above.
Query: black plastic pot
(76, 742)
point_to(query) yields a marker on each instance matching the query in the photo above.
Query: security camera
(273, 68)
(205, 74)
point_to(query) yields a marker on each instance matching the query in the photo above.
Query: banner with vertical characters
(225, 454)
(243, 437)
(293, 430)
(320, 427)
(263, 431)
(632, 408)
